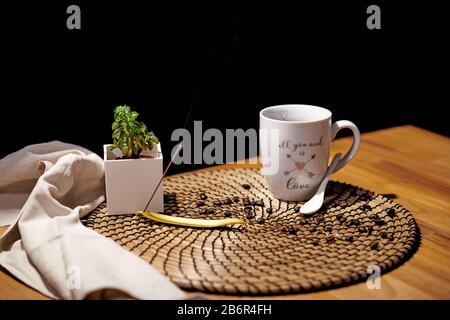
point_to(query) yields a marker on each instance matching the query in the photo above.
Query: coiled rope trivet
(279, 250)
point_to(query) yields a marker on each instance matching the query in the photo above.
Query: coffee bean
(203, 196)
(227, 213)
(374, 216)
(374, 245)
(297, 209)
(259, 203)
(236, 199)
(330, 238)
(246, 186)
(362, 229)
(260, 220)
(379, 222)
(303, 221)
(315, 242)
(249, 214)
(383, 234)
(227, 201)
(391, 212)
(292, 229)
(390, 237)
(269, 210)
(200, 203)
(340, 216)
(318, 217)
(366, 207)
(356, 222)
(364, 197)
(217, 202)
(328, 228)
(342, 203)
(349, 238)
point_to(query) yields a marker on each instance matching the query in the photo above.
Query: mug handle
(345, 124)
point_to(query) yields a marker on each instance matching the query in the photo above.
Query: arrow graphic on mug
(300, 166)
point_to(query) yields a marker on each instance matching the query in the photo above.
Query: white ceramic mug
(295, 148)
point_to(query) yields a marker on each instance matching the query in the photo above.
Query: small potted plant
(133, 165)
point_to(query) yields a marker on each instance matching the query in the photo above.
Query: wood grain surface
(407, 162)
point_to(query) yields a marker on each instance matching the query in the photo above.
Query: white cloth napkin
(46, 188)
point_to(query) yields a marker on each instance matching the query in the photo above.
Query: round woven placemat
(279, 250)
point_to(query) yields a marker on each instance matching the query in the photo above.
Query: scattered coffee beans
(291, 229)
(374, 245)
(379, 222)
(203, 196)
(303, 221)
(342, 203)
(249, 215)
(383, 234)
(366, 207)
(374, 216)
(236, 199)
(217, 202)
(246, 186)
(259, 203)
(227, 201)
(318, 217)
(269, 210)
(260, 220)
(350, 222)
(200, 203)
(364, 197)
(391, 212)
(246, 202)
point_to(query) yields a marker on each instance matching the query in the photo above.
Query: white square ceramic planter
(131, 182)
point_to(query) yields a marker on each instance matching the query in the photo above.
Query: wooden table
(409, 162)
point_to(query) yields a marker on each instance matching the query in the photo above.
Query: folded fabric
(45, 189)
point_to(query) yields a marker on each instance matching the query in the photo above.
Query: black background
(228, 59)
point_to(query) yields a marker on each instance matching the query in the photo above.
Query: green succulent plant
(130, 135)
